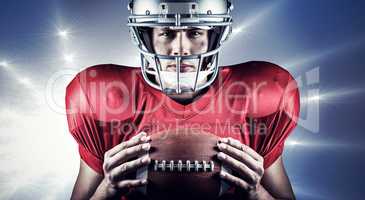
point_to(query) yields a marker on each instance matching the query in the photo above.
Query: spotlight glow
(292, 143)
(238, 30)
(255, 19)
(4, 64)
(25, 81)
(324, 53)
(63, 34)
(300, 142)
(336, 95)
(315, 98)
(70, 58)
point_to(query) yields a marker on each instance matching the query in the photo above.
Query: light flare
(69, 58)
(64, 34)
(4, 64)
(255, 19)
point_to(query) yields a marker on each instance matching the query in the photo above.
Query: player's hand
(247, 164)
(118, 163)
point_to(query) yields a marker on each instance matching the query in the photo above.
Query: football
(183, 166)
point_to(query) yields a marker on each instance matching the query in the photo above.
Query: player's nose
(181, 45)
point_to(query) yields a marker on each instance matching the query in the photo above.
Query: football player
(112, 110)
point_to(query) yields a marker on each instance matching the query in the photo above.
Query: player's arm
(86, 183)
(276, 181)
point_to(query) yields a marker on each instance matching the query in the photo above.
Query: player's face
(179, 42)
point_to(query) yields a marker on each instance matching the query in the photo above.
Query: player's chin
(186, 93)
(184, 90)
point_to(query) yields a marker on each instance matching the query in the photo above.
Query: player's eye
(195, 33)
(166, 34)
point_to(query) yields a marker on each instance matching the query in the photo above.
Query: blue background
(324, 157)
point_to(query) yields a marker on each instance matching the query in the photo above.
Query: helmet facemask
(176, 73)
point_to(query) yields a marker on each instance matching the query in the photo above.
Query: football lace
(180, 166)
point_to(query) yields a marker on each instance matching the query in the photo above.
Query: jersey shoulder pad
(107, 90)
(265, 85)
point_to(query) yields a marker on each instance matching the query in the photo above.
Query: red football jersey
(254, 102)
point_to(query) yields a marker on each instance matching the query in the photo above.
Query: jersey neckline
(195, 107)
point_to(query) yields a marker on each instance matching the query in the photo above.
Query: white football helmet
(212, 15)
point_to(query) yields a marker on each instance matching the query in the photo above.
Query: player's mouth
(183, 68)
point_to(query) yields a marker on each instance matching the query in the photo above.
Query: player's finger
(126, 154)
(235, 180)
(126, 184)
(137, 139)
(243, 157)
(237, 144)
(245, 172)
(118, 172)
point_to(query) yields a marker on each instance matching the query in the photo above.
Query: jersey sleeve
(83, 126)
(281, 123)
